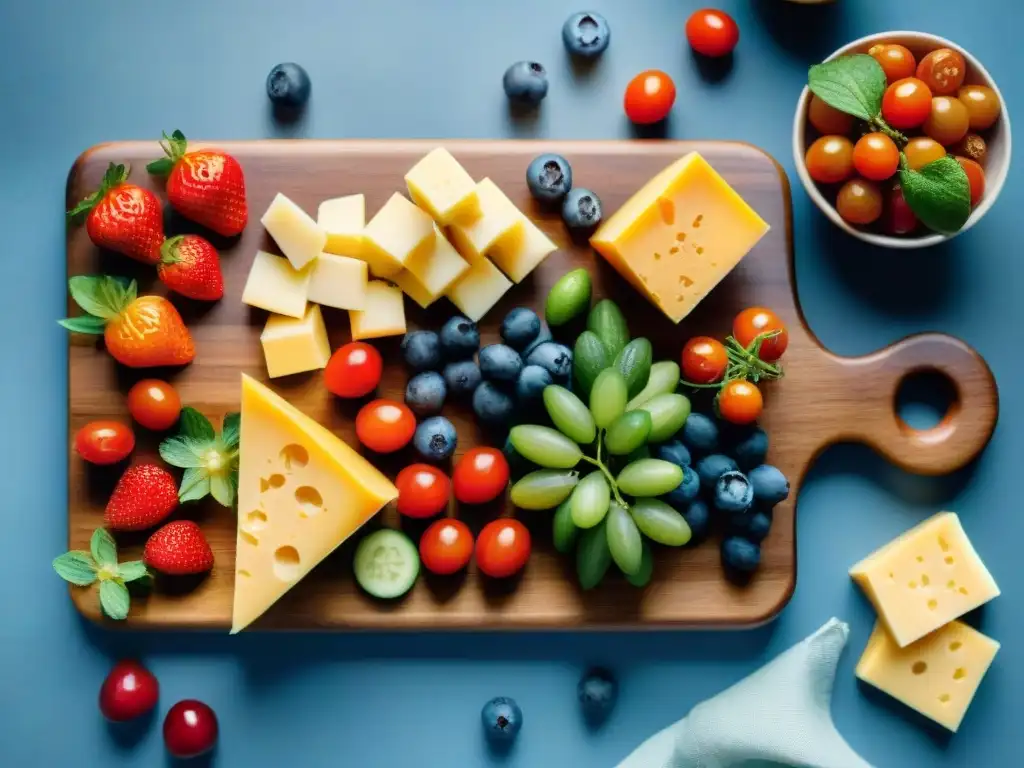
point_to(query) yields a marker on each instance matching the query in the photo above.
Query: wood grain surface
(823, 399)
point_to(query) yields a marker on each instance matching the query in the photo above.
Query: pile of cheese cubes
(456, 238)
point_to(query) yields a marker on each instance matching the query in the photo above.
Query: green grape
(668, 414)
(659, 522)
(545, 446)
(664, 378)
(564, 530)
(569, 414)
(643, 576)
(543, 489)
(593, 557)
(624, 540)
(589, 501)
(628, 432)
(608, 397)
(649, 477)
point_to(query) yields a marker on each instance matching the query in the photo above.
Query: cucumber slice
(386, 563)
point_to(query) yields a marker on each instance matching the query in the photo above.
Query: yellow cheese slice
(479, 289)
(301, 493)
(274, 285)
(500, 224)
(293, 345)
(397, 232)
(519, 257)
(343, 219)
(294, 231)
(383, 313)
(338, 281)
(429, 273)
(440, 185)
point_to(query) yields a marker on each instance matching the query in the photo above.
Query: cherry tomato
(922, 150)
(898, 218)
(859, 201)
(354, 370)
(480, 475)
(740, 402)
(712, 33)
(446, 546)
(982, 105)
(948, 121)
(104, 442)
(385, 426)
(502, 548)
(906, 103)
(423, 491)
(897, 61)
(704, 360)
(875, 156)
(649, 97)
(830, 159)
(154, 404)
(828, 120)
(976, 177)
(752, 322)
(943, 71)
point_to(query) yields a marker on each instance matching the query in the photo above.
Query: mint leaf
(938, 193)
(195, 425)
(114, 599)
(195, 485)
(103, 548)
(92, 294)
(222, 489)
(851, 84)
(231, 431)
(93, 326)
(77, 567)
(132, 570)
(183, 452)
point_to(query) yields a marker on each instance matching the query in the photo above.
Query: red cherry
(130, 690)
(190, 729)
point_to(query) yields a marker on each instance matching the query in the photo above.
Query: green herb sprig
(210, 460)
(100, 564)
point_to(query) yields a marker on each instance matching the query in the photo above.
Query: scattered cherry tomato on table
(704, 360)
(755, 321)
(502, 548)
(354, 370)
(740, 402)
(480, 475)
(649, 97)
(154, 404)
(385, 426)
(907, 103)
(129, 691)
(190, 729)
(711, 32)
(423, 491)
(104, 442)
(875, 156)
(446, 546)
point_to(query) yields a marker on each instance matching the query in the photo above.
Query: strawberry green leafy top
(210, 460)
(100, 564)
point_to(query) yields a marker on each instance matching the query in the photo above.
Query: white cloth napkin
(781, 713)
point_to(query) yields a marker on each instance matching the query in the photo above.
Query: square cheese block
(399, 231)
(383, 313)
(479, 289)
(432, 271)
(411, 287)
(500, 224)
(338, 281)
(520, 256)
(293, 345)
(294, 231)
(440, 185)
(301, 493)
(274, 285)
(925, 578)
(680, 235)
(343, 219)
(938, 675)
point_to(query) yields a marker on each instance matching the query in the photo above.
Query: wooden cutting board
(823, 399)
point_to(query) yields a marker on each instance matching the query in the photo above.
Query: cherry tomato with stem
(875, 156)
(755, 321)
(827, 119)
(906, 103)
(704, 360)
(154, 404)
(480, 475)
(385, 426)
(922, 150)
(899, 218)
(502, 548)
(712, 33)
(740, 402)
(423, 491)
(896, 61)
(354, 370)
(104, 442)
(942, 71)
(948, 121)
(649, 97)
(829, 159)
(446, 546)
(976, 178)
(859, 201)
(982, 104)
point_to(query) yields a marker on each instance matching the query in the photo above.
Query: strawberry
(206, 185)
(189, 264)
(144, 496)
(178, 549)
(139, 331)
(123, 217)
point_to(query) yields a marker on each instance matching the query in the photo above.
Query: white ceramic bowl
(998, 139)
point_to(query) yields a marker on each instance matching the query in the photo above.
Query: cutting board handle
(870, 417)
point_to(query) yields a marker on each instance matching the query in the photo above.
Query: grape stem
(607, 473)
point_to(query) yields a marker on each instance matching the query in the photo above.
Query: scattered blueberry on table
(435, 439)
(698, 517)
(712, 467)
(525, 83)
(499, 362)
(687, 490)
(502, 718)
(288, 85)
(733, 492)
(597, 692)
(740, 555)
(586, 34)
(769, 484)
(700, 433)
(425, 393)
(520, 327)
(421, 351)
(492, 405)
(555, 357)
(531, 383)
(673, 451)
(581, 210)
(462, 377)
(460, 338)
(549, 178)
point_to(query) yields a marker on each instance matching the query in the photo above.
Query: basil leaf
(132, 570)
(194, 424)
(183, 451)
(231, 430)
(103, 548)
(851, 84)
(195, 484)
(938, 193)
(114, 599)
(77, 567)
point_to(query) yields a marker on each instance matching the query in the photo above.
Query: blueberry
(502, 719)
(740, 554)
(421, 351)
(435, 438)
(586, 34)
(687, 490)
(555, 357)
(710, 468)
(733, 492)
(597, 691)
(700, 433)
(549, 178)
(519, 328)
(462, 377)
(425, 393)
(758, 526)
(673, 451)
(544, 335)
(499, 362)
(770, 485)
(698, 516)
(492, 405)
(460, 338)
(531, 383)
(750, 448)
(288, 85)
(525, 82)
(581, 209)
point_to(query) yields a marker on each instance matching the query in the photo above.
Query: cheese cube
(520, 257)
(500, 224)
(938, 675)
(432, 271)
(275, 286)
(338, 281)
(680, 235)
(478, 289)
(294, 231)
(343, 219)
(399, 231)
(925, 578)
(441, 187)
(383, 313)
(293, 346)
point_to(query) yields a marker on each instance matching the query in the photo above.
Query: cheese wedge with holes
(925, 578)
(680, 235)
(938, 675)
(343, 219)
(274, 285)
(293, 345)
(399, 231)
(299, 237)
(383, 312)
(440, 186)
(301, 493)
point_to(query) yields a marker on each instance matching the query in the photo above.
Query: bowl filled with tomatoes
(902, 139)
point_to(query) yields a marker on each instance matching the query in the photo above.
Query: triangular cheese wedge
(301, 493)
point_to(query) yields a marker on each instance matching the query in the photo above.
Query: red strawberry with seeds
(123, 217)
(206, 186)
(178, 549)
(190, 265)
(144, 496)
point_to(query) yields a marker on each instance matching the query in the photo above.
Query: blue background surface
(80, 73)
